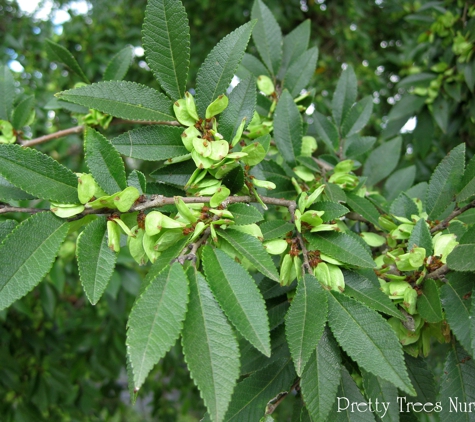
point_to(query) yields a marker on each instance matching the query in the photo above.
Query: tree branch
(7, 208)
(443, 225)
(438, 273)
(306, 264)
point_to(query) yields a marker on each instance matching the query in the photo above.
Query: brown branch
(6, 208)
(191, 256)
(55, 135)
(324, 166)
(306, 264)
(438, 273)
(280, 398)
(443, 225)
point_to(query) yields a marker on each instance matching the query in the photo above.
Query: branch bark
(455, 213)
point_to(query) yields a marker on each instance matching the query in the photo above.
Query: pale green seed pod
(8, 136)
(125, 199)
(200, 161)
(188, 135)
(314, 196)
(255, 154)
(149, 247)
(344, 166)
(66, 210)
(221, 195)
(297, 222)
(372, 239)
(312, 217)
(224, 169)
(330, 260)
(182, 114)
(297, 267)
(236, 155)
(444, 244)
(219, 150)
(86, 187)
(264, 184)
(113, 236)
(309, 146)
(217, 106)
(330, 275)
(124, 227)
(252, 229)
(302, 201)
(184, 211)
(386, 224)
(153, 223)
(136, 247)
(197, 176)
(304, 173)
(404, 335)
(410, 300)
(239, 131)
(191, 106)
(322, 274)
(199, 228)
(276, 246)
(411, 261)
(265, 84)
(202, 147)
(214, 236)
(168, 238)
(221, 213)
(178, 159)
(286, 268)
(397, 289)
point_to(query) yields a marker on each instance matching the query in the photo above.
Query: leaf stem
(443, 225)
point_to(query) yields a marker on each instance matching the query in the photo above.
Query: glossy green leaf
(377, 349)
(294, 45)
(461, 258)
(300, 72)
(22, 112)
(104, 162)
(239, 297)
(210, 348)
(400, 181)
(7, 92)
(60, 54)
(96, 262)
(382, 161)
(267, 36)
(217, 71)
(288, 128)
(6, 228)
(403, 206)
(357, 145)
(166, 40)
(467, 185)
(127, 100)
(38, 174)
(421, 237)
(155, 321)
(304, 326)
(342, 247)
(251, 65)
(357, 117)
(10, 192)
(151, 143)
(253, 250)
(275, 228)
(321, 377)
(333, 210)
(245, 214)
(345, 95)
(326, 130)
(27, 254)
(444, 182)
(363, 207)
(119, 65)
(428, 303)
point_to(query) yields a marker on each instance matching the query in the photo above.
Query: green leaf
(267, 36)
(361, 288)
(242, 103)
(381, 391)
(238, 296)
(7, 93)
(428, 303)
(403, 206)
(461, 258)
(357, 117)
(382, 161)
(6, 228)
(151, 143)
(210, 348)
(27, 254)
(294, 45)
(345, 95)
(357, 145)
(363, 207)
(127, 100)
(444, 182)
(274, 173)
(234, 180)
(400, 181)
(422, 379)
(321, 377)
(38, 174)
(138, 180)
(455, 296)
(252, 394)
(342, 247)
(423, 134)
(96, 262)
(245, 214)
(303, 326)
(377, 349)
(155, 321)
(10, 192)
(406, 107)
(217, 71)
(288, 128)
(467, 185)
(104, 162)
(166, 40)
(251, 65)
(326, 130)
(333, 210)
(175, 174)
(249, 247)
(60, 54)
(457, 386)
(119, 65)
(300, 72)
(472, 323)
(421, 237)
(275, 228)
(22, 112)
(440, 111)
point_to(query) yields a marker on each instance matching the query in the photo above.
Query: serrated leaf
(382, 392)
(38, 174)
(7, 92)
(22, 112)
(210, 348)
(10, 192)
(251, 65)
(96, 262)
(326, 130)
(175, 174)
(455, 296)
(467, 185)
(274, 173)
(342, 247)
(27, 254)
(457, 386)
(303, 326)
(275, 228)
(400, 181)
(321, 377)
(60, 54)
(234, 180)
(377, 349)
(357, 145)
(253, 250)
(151, 143)
(127, 100)
(461, 258)
(238, 296)
(242, 103)
(361, 288)
(382, 161)
(421, 237)
(363, 207)
(288, 128)
(119, 65)
(6, 227)
(444, 182)
(294, 45)
(156, 320)
(428, 303)
(422, 379)
(138, 180)
(104, 162)
(267, 36)
(472, 323)
(217, 71)
(357, 117)
(403, 206)
(166, 40)
(245, 214)
(344, 95)
(300, 72)
(251, 395)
